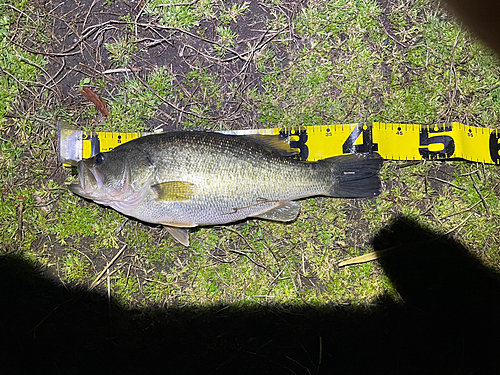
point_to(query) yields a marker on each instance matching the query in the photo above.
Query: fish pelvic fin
(179, 234)
(284, 211)
(355, 175)
(174, 190)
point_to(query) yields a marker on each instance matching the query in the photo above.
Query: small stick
(471, 207)
(481, 196)
(366, 257)
(246, 255)
(17, 10)
(381, 253)
(446, 182)
(119, 229)
(109, 291)
(98, 278)
(177, 4)
(88, 13)
(119, 70)
(20, 222)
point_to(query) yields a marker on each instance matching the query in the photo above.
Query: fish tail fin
(355, 175)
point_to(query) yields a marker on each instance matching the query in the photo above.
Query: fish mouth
(90, 181)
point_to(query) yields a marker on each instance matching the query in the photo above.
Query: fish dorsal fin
(174, 191)
(285, 211)
(179, 234)
(273, 143)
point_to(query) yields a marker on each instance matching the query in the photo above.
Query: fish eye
(99, 159)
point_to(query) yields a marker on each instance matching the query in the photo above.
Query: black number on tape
(95, 144)
(428, 138)
(300, 144)
(367, 146)
(495, 147)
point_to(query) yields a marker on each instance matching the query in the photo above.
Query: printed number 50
(428, 138)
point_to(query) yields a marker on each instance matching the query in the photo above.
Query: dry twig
(98, 278)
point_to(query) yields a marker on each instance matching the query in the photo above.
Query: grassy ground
(238, 65)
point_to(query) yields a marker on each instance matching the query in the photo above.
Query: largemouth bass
(185, 179)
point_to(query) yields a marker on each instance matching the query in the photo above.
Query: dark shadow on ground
(449, 324)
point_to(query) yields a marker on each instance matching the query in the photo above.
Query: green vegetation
(18, 67)
(229, 66)
(121, 51)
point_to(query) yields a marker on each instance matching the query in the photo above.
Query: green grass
(335, 61)
(18, 68)
(121, 51)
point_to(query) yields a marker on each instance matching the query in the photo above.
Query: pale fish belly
(222, 213)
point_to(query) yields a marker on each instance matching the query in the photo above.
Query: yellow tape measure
(391, 141)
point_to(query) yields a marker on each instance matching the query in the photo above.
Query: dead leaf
(96, 99)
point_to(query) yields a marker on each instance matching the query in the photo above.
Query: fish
(185, 179)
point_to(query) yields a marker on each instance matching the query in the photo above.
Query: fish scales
(232, 175)
(186, 179)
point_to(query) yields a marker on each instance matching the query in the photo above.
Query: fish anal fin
(179, 234)
(284, 211)
(174, 190)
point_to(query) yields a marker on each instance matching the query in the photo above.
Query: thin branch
(446, 182)
(17, 10)
(377, 254)
(98, 278)
(177, 4)
(19, 82)
(486, 206)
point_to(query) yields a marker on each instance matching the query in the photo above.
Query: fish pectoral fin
(179, 234)
(284, 211)
(174, 190)
(273, 142)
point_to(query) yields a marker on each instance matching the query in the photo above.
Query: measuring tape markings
(392, 141)
(95, 142)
